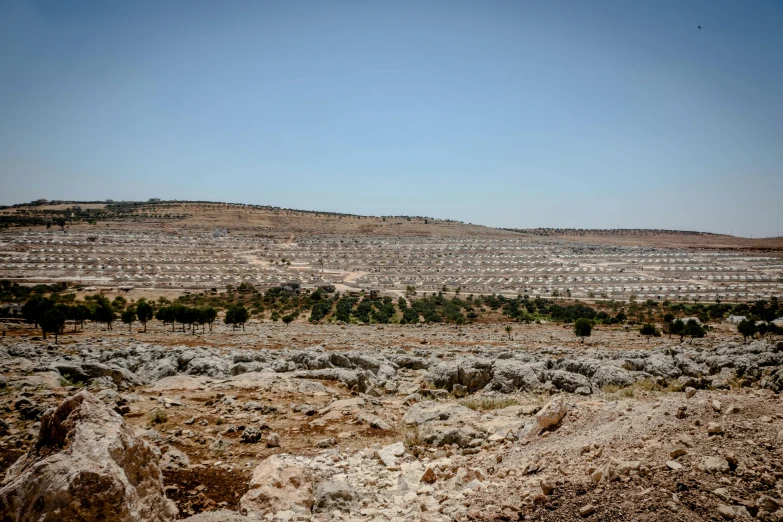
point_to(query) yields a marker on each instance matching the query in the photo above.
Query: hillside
(659, 238)
(175, 216)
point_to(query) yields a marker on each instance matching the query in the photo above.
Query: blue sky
(593, 114)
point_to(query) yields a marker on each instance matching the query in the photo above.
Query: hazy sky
(580, 113)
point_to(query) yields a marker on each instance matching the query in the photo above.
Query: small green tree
(34, 308)
(104, 313)
(79, 314)
(242, 315)
(287, 319)
(746, 329)
(144, 313)
(52, 321)
(583, 327)
(210, 314)
(237, 315)
(694, 329)
(508, 330)
(129, 317)
(648, 330)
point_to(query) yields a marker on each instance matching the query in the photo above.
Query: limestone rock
(335, 495)
(220, 515)
(726, 512)
(277, 485)
(389, 454)
(273, 440)
(87, 464)
(429, 476)
(551, 414)
(174, 459)
(714, 465)
(251, 435)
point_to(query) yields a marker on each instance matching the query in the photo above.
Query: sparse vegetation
(159, 416)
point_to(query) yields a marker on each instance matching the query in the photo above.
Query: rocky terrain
(329, 422)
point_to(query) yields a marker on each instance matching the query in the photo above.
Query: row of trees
(52, 315)
(749, 328)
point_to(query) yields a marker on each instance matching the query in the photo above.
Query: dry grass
(618, 391)
(159, 416)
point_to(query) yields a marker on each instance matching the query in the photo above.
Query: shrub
(583, 327)
(159, 416)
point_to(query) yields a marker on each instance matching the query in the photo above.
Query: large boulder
(511, 375)
(87, 464)
(474, 374)
(660, 365)
(609, 375)
(570, 382)
(277, 485)
(350, 378)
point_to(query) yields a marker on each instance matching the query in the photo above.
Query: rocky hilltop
(462, 426)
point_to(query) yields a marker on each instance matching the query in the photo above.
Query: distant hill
(658, 238)
(259, 220)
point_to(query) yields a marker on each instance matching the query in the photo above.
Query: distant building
(154, 200)
(326, 288)
(736, 319)
(291, 287)
(10, 309)
(375, 294)
(686, 319)
(778, 322)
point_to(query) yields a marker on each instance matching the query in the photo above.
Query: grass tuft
(159, 416)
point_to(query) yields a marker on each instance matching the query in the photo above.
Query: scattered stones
(714, 428)
(587, 510)
(690, 392)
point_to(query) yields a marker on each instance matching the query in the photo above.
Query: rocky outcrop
(87, 464)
